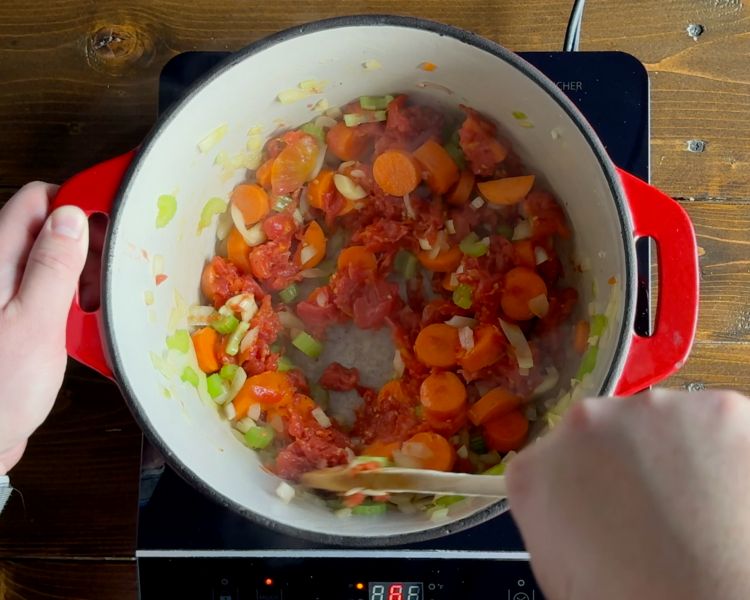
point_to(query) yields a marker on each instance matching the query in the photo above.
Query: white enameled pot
(608, 211)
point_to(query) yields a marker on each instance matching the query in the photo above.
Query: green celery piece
(462, 296)
(166, 207)
(179, 340)
(215, 385)
(259, 437)
(228, 371)
(190, 376)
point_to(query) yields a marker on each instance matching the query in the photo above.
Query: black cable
(573, 31)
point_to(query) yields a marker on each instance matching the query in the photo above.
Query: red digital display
(395, 590)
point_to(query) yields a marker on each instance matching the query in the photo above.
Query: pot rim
(441, 29)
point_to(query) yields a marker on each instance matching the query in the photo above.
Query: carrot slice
(437, 345)
(442, 171)
(581, 337)
(508, 432)
(508, 190)
(395, 389)
(346, 143)
(204, 342)
(443, 395)
(435, 452)
(312, 238)
(488, 348)
(446, 427)
(252, 201)
(378, 448)
(521, 285)
(238, 250)
(320, 188)
(294, 164)
(523, 253)
(461, 192)
(263, 174)
(396, 172)
(358, 256)
(268, 389)
(493, 404)
(445, 262)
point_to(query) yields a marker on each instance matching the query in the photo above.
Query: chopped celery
(462, 295)
(288, 294)
(381, 460)
(215, 206)
(314, 130)
(598, 324)
(285, 364)
(471, 245)
(259, 437)
(166, 207)
(588, 362)
(375, 102)
(520, 116)
(498, 469)
(505, 230)
(455, 152)
(477, 443)
(320, 395)
(446, 501)
(215, 385)
(354, 119)
(406, 264)
(225, 324)
(179, 340)
(190, 376)
(233, 343)
(370, 509)
(308, 345)
(227, 372)
(281, 203)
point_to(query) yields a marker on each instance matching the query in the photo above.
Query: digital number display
(395, 590)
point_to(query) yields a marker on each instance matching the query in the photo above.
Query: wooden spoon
(397, 480)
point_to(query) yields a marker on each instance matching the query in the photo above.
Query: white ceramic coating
(243, 95)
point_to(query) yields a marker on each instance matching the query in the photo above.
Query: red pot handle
(656, 215)
(94, 191)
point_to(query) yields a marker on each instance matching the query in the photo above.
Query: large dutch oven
(608, 209)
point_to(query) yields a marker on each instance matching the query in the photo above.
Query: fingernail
(68, 221)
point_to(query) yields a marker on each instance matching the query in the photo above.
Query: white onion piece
(285, 492)
(424, 244)
(416, 450)
(223, 226)
(477, 203)
(401, 459)
(321, 417)
(522, 231)
(290, 320)
(540, 254)
(409, 207)
(244, 425)
(334, 112)
(357, 173)
(248, 340)
(307, 253)
(298, 217)
(229, 411)
(450, 226)
(459, 321)
(253, 236)
(200, 316)
(346, 164)
(440, 243)
(453, 280)
(318, 162)
(313, 273)
(254, 412)
(466, 338)
(277, 423)
(325, 121)
(518, 340)
(347, 187)
(523, 372)
(463, 452)
(244, 304)
(539, 305)
(548, 383)
(398, 364)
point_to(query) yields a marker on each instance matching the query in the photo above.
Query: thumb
(54, 266)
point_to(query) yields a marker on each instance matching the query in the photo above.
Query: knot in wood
(114, 48)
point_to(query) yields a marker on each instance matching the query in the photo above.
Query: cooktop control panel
(340, 579)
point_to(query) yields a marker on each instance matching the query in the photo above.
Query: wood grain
(714, 366)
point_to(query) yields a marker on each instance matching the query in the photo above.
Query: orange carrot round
(437, 345)
(441, 170)
(495, 403)
(396, 172)
(523, 254)
(358, 256)
(263, 174)
(346, 143)
(508, 190)
(461, 192)
(395, 389)
(378, 448)
(445, 262)
(320, 188)
(312, 238)
(238, 250)
(581, 337)
(205, 341)
(252, 202)
(268, 389)
(446, 427)
(443, 395)
(435, 452)
(508, 432)
(521, 285)
(488, 347)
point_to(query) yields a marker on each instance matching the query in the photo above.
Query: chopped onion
(539, 305)
(357, 173)
(424, 244)
(254, 412)
(459, 321)
(398, 364)
(229, 411)
(460, 269)
(548, 383)
(520, 345)
(334, 112)
(466, 338)
(250, 338)
(325, 121)
(285, 492)
(223, 226)
(450, 226)
(314, 273)
(347, 188)
(244, 304)
(416, 450)
(409, 207)
(540, 254)
(523, 372)
(318, 162)
(321, 417)
(213, 138)
(440, 242)
(453, 280)
(400, 459)
(463, 452)
(200, 316)
(307, 253)
(298, 217)
(253, 236)
(277, 423)
(477, 203)
(290, 320)
(522, 231)
(244, 425)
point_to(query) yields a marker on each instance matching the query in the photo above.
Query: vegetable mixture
(388, 214)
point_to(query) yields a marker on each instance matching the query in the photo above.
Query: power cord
(573, 32)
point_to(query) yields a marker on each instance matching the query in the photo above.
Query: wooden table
(78, 83)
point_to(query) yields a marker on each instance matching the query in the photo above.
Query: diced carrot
(442, 171)
(437, 345)
(312, 238)
(238, 250)
(294, 164)
(523, 253)
(581, 337)
(520, 286)
(396, 172)
(358, 256)
(267, 389)
(446, 261)
(437, 454)
(321, 187)
(204, 342)
(443, 395)
(508, 190)
(446, 427)
(508, 432)
(395, 389)
(384, 449)
(428, 66)
(252, 201)
(461, 192)
(353, 500)
(488, 347)
(263, 174)
(448, 282)
(493, 404)
(346, 143)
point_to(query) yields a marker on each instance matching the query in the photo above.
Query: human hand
(41, 259)
(642, 497)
